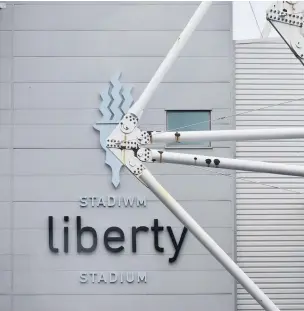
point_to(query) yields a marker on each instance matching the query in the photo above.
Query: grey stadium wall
(270, 231)
(55, 60)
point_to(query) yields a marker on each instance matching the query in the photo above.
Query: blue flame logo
(115, 103)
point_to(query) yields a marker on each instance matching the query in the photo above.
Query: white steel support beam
(147, 178)
(227, 135)
(152, 155)
(266, 30)
(171, 57)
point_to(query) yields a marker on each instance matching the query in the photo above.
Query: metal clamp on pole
(287, 19)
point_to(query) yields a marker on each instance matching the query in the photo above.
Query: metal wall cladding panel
(5, 241)
(5, 156)
(5, 303)
(270, 234)
(150, 117)
(5, 164)
(99, 69)
(5, 117)
(148, 262)
(5, 212)
(5, 43)
(52, 188)
(173, 282)
(118, 17)
(5, 136)
(72, 96)
(5, 69)
(126, 302)
(6, 262)
(5, 188)
(59, 57)
(116, 43)
(6, 282)
(6, 18)
(70, 162)
(5, 96)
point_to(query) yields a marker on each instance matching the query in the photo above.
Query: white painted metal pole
(171, 57)
(266, 30)
(226, 163)
(230, 135)
(207, 241)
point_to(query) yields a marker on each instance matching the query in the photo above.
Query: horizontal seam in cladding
(256, 264)
(110, 3)
(106, 81)
(89, 108)
(117, 30)
(124, 57)
(116, 56)
(102, 228)
(256, 206)
(60, 201)
(80, 148)
(104, 175)
(125, 255)
(67, 201)
(19, 6)
(266, 240)
(121, 294)
(119, 270)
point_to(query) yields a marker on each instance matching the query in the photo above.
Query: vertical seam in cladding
(233, 123)
(12, 160)
(233, 151)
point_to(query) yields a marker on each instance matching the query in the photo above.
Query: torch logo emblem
(115, 103)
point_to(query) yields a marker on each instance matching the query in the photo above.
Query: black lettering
(80, 231)
(119, 238)
(51, 236)
(66, 236)
(134, 232)
(178, 245)
(157, 229)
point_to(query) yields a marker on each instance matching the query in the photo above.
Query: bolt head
(140, 153)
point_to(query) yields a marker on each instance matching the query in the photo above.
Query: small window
(188, 120)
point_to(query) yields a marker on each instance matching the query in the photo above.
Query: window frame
(188, 146)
